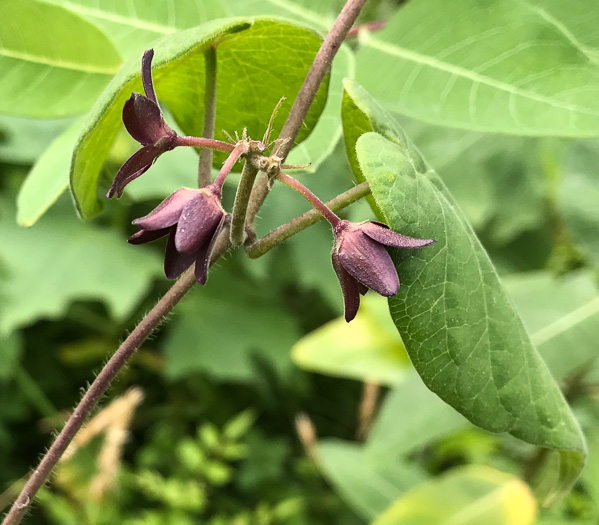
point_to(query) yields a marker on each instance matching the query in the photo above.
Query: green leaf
(48, 178)
(246, 52)
(368, 487)
(203, 338)
(44, 73)
(11, 349)
(410, 417)
(578, 197)
(510, 66)
(61, 260)
(134, 24)
(23, 140)
(561, 315)
(465, 496)
(368, 348)
(459, 326)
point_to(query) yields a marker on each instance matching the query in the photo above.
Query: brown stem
(147, 325)
(205, 164)
(259, 247)
(305, 97)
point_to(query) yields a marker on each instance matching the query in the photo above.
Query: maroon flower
(361, 261)
(192, 218)
(144, 122)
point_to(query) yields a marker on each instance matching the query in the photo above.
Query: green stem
(205, 164)
(242, 197)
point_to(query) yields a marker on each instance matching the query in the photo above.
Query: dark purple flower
(192, 218)
(143, 119)
(361, 261)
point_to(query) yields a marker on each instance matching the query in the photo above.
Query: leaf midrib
(119, 19)
(61, 64)
(476, 78)
(566, 322)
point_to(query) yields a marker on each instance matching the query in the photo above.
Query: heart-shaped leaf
(459, 326)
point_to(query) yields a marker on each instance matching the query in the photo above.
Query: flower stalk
(242, 197)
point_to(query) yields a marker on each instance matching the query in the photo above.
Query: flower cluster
(193, 218)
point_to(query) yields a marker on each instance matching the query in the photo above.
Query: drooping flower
(192, 218)
(143, 119)
(362, 262)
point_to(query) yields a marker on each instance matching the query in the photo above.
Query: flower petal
(167, 213)
(144, 236)
(205, 251)
(368, 261)
(135, 166)
(146, 75)
(198, 221)
(381, 233)
(143, 119)
(349, 287)
(176, 263)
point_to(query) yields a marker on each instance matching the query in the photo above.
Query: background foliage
(256, 403)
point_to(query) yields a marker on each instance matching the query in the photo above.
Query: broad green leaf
(459, 326)
(495, 179)
(48, 178)
(368, 348)
(578, 197)
(410, 417)
(319, 14)
(134, 24)
(246, 52)
(229, 329)
(61, 260)
(368, 487)
(562, 317)
(513, 66)
(44, 73)
(466, 496)
(23, 140)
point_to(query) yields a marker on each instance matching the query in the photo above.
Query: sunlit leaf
(513, 66)
(368, 348)
(44, 74)
(466, 496)
(562, 317)
(134, 24)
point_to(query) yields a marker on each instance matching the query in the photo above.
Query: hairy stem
(233, 157)
(305, 97)
(310, 197)
(141, 332)
(242, 197)
(205, 164)
(201, 142)
(283, 232)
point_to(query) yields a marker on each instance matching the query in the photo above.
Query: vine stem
(141, 332)
(201, 142)
(310, 197)
(205, 163)
(260, 246)
(305, 97)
